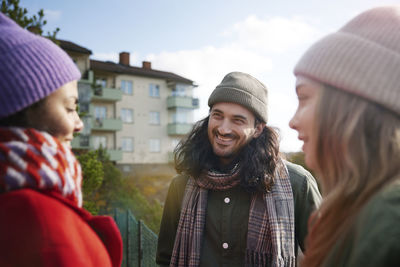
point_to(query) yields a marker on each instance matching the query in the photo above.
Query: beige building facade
(137, 113)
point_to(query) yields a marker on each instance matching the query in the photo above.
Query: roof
(70, 46)
(123, 69)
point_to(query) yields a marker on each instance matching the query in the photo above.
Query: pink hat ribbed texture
(362, 58)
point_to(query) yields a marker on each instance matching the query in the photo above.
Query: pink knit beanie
(31, 67)
(362, 58)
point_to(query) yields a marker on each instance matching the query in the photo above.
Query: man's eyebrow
(240, 117)
(216, 110)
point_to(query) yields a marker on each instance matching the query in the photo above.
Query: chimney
(146, 65)
(124, 58)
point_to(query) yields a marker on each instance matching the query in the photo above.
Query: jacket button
(225, 245)
(227, 200)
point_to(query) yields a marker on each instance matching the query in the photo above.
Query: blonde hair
(357, 155)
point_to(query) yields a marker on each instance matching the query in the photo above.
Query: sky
(204, 40)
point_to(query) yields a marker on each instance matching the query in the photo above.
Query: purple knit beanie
(362, 58)
(31, 67)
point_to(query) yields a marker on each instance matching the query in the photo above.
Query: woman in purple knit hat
(42, 221)
(348, 87)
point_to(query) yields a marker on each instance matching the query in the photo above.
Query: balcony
(179, 128)
(85, 142)
(106, 124)
(182, 102)
(107, 94)
(81, 142)
(87, 77)
(115, 155)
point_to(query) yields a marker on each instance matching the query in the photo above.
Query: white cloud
(255, 46)
(52, 15)
(264, 48)
(275, 34)
(208, 65)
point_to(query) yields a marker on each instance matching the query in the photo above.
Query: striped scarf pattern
(270, 237)
(34, 159)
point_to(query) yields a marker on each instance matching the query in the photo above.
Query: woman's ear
(259, 129)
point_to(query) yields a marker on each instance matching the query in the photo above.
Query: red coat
(45, 229)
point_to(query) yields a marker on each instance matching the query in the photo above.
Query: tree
(105, 188)
(34, 24)
(93, 174)
(298, 158)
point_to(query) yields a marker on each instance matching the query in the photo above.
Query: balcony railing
(107, 94)
(81, 142)
(85, 142)
(106, 124)
(179, 128)
(182, 102)
(115, 154)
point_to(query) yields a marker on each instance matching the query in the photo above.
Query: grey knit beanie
(245, 90)
(362, 58)
(31, 67)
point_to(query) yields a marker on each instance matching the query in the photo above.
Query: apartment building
(138, 114)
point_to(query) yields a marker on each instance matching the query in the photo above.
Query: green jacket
(228, 223)
(375, 238)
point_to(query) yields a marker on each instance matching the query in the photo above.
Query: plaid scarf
(33, 159)
(270, 234)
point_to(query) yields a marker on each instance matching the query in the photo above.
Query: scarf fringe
(257, 259)
(270, 227)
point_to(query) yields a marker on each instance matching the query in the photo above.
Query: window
(127, 144)
(84, 140)
(101, 81)
(127, 87)
(154, 145)
(127, 115)
(154, 117)
(180, 116)
(179, 90)
(84, 107)
(99, 141)
(154, 90)
(174, 143)
(126, 168)
(100, 112)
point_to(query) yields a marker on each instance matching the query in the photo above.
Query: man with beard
(235, 202)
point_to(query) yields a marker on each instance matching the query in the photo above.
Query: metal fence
(139, 242)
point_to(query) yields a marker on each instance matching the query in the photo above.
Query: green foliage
(298, 158)
(34, 24)
(12, 9)
(93, 169)
(105, 189)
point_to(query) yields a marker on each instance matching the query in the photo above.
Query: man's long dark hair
(257, 159)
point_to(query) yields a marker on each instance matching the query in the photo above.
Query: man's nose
(225, 127)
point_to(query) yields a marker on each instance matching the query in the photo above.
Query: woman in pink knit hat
(42, 221)
(348, 87)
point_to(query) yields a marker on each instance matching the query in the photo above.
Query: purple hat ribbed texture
(31, 67)
(362, 58)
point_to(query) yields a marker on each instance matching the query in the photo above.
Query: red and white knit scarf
(270, 236)
(34, 159)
